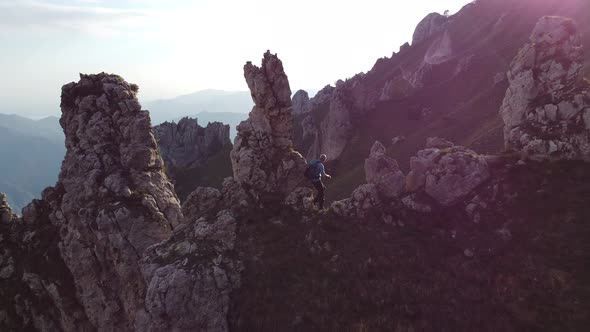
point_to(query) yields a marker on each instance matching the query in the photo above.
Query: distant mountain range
(46, 128)
(209, 101)
(35, 150)
(229, 107)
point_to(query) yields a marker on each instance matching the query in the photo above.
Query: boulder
(363, 200)
(546, 107)
(438, 143)
(446, 174)
(384, 172)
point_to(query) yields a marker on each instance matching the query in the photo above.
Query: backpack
(312, 170)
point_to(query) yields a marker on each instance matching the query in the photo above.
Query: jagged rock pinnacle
(112, 200)
(263, 158)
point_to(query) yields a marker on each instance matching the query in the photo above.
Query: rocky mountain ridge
(463, 241)
(448, 83)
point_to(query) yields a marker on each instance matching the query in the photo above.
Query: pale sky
(175, 47)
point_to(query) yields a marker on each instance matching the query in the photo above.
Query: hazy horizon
(174, 48)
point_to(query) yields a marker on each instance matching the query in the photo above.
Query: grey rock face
(431, 24)
(323, 96)
(351, 98)
(263, 157)
(440, 51)
(337, 126)
(112, 200)
(186, 144)
(301, 199)
(201, 202)
(385, 182)
(446, 174)
(384, 172)
(309, 127)
(438, 143)
(189, 277)
(546, 109)
(36, 287)
(363, 199)
(107, 249)
(301, 102)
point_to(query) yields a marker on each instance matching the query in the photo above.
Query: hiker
(315, 170)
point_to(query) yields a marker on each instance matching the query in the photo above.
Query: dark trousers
(319, 199)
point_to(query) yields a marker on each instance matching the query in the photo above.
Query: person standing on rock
(315, 171)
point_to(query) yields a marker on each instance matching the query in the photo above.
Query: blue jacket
(317, 170)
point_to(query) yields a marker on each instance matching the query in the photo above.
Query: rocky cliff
(301, 103)
(546, 110)
(186, 144)
(193, 155)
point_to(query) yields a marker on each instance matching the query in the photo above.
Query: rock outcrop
(263, 157)
(323, 96)
(431, 24)
(441, 173)
(186, 144)
(440, 51)
(363, 200)
(336, 128)
(446, 172)
(6, 214)
(190, 276)
(546, 110)
(201, 202)
(384, 172)
(301, 102)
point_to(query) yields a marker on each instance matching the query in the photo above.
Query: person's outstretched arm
(324, 172)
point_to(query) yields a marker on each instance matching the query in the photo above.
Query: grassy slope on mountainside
(210, 174)
(465, 108)
(329, 274)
